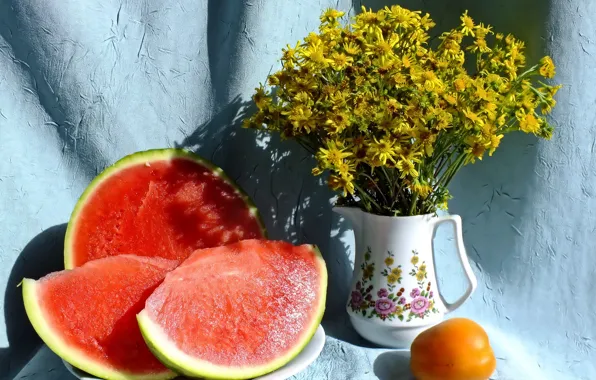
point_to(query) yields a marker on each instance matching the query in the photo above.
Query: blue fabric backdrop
(85, 82)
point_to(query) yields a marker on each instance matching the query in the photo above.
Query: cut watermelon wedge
(237, 311)
(87, 315)
(165, 203)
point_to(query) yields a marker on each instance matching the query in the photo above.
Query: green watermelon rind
(141, 157)
(77, 358)
(171, 357)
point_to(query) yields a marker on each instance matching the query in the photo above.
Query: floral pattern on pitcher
(385, 303)
(418, 271)
(393, 274)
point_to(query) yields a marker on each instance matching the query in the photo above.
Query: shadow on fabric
(42, 255)
(393, 365)
(85, 150)
(276, 174)
(295, 205)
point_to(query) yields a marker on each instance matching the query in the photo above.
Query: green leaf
(401, 317)
(391, 296)
(363, 312)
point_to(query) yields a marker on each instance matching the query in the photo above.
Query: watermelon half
(163, 202)
(237, 311)
(87, 315)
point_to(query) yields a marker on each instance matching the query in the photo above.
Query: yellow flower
(473, 117)
(475, 151)
(382, 46)
(431, 82)
(351, 48)
(414, 260)
(546, 101)
(290, 55)
(451, 45)
(529, 124)
(443, 121)
(451, 99)
(391, 278)
(399, 310)
(314, 54)
(490, 110)
(330, 15)
(301, 117)
(547, 67)
(369, 17)
(389, 261)
(406, 62)
(383, 150)
(467, 24)
(396, 271)
(302, 97)
(368, 271)
(340, 61)
(333, 155)
(420, 275)
(460, 84)
(495, 140)
(261, 99)
(426, 23)
(346, 170)
(316, 171)
(422, 267)
(399, 79)
(392, 105)
(443, 205)
(423, 190)
(384, 64)
(482, 93)
(337, 122)
(482, 30)
(406, 168)
(501, 120)
(480, 45)
(401, 17)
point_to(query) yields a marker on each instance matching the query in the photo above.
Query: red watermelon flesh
(164, 203)
(88, 315)
(237, 311)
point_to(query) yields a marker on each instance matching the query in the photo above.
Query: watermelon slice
(163, 202)
(237, 311)
(87, 315)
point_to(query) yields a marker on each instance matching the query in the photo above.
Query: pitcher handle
(455, 220)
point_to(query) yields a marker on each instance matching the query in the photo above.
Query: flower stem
(368, 197)
(413, 205)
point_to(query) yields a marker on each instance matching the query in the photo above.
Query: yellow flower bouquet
(391, 118)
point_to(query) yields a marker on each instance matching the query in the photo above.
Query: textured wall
(83, 83)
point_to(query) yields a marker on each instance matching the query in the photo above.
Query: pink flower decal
(415, 293)
(384, 306)
(419, 305)
(382, 293)
(356, 299)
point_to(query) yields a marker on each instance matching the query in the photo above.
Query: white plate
(304, 359)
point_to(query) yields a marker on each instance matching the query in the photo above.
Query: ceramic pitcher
(394, 294)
